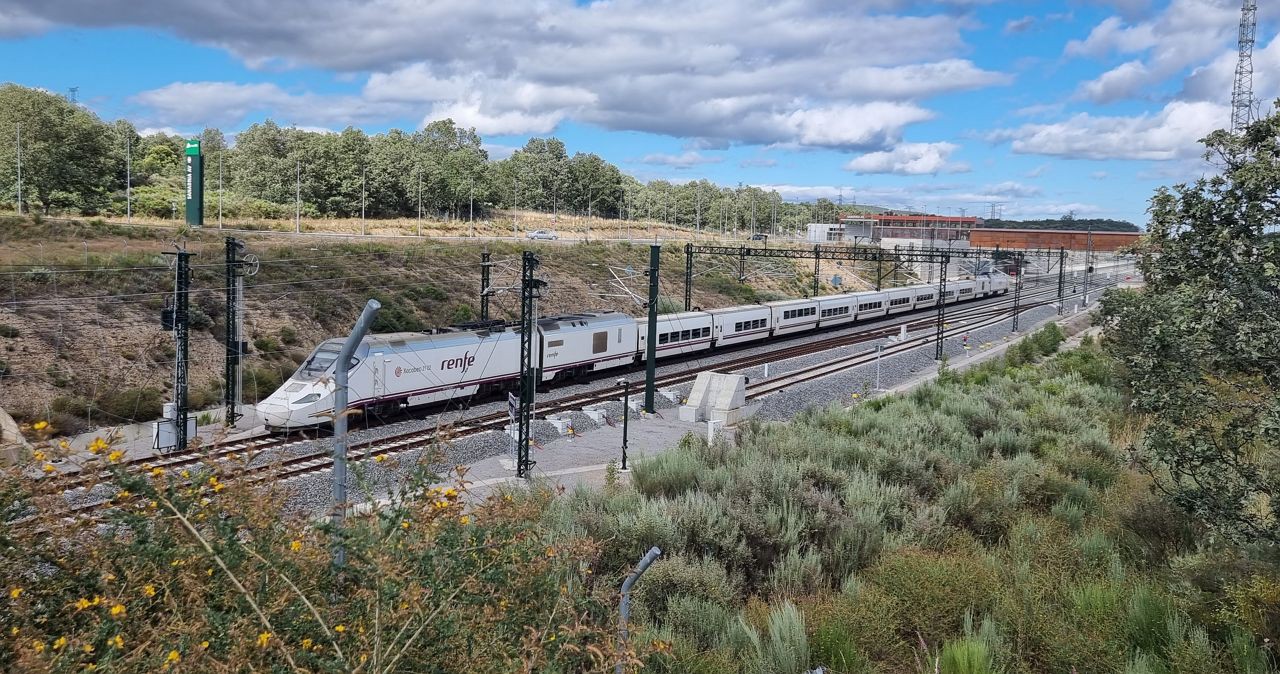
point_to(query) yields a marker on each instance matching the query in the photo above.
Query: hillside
(79, 315)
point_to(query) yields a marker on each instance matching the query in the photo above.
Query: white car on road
(543, 234)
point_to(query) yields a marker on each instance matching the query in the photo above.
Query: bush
(266, 346)
(667, 474)
(289, 336)
(935, 590)
(8, 331)
(678, 576)
(966, 656)
(135, 404)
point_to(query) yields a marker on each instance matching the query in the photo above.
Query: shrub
(796, 573)
(680, 576)
(667, 474)
(966, 656)
(703, 622)
(784, 647)
(8, 331)
(935, 591)
(266, 346)
(136, 404)
(1147, 621)
(289, 336)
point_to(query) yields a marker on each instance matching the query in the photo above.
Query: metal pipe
(624, 609)
(341, 372)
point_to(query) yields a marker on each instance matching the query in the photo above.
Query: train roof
(680, 316)
(582, 320)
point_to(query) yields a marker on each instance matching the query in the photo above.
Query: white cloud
(1120, 82)
(748, 71)
(1185, 32)
(1013, 26)
(16, 22)
(909, 159)
(758, 163)
(683, 160)
(1171, 133)
(1037, 171)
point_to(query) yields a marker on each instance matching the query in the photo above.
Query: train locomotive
(393, 371)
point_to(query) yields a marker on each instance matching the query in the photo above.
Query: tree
(1200, 347)
(66, 151)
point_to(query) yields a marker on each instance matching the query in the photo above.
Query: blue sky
(1044, 107)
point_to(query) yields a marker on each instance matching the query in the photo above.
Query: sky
(1035, 109)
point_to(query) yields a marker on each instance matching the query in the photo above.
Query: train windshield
(320, 362)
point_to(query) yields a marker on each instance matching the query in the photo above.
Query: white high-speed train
(409, 369)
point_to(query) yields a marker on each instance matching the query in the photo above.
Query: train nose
(273, 415)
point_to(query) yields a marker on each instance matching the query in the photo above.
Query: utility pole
(485, 266)
(340, 393)
(1088, 263)
(1017, 289)
(19, 144)
(1062, 278)
(688, 276)
(530, 290)
(181, 336)
(651, 346)
(942, 307)
(234, 331)
(297, 199)
(128, 178)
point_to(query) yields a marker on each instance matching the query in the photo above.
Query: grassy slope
(991, 519)
(108, 359)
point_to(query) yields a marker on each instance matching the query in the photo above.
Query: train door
(379, 374)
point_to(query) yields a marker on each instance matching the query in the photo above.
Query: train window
(555, 342)
(684, 335)
(737, 327)
(706, 332)
(923, 298)
(600, 341)
(758, 324)
(966, 291)
(619, 335)
(899, 301)
(662, 339)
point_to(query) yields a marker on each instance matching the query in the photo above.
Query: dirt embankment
(80, 304)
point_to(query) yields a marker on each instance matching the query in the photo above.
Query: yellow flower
(204, 644)
(97, 446)
(114, 457)
(464, 520)
(157, 472)
(124, 493)
(90, 667)
(38, 455)
(295, 546)
(451, 492)
(340, 629)
(404, 524)
(38, 646)
(306, 644)
(15, 593)
(264, 639)
(96, 600)
(186, 473)
(380, 458)
(87, 648)
(118, 611)
(116, 641)
(60, 643)
(149, 590)
(40, 425)
(48, 468)
(173, 657)
(13, 631)
(82, 604)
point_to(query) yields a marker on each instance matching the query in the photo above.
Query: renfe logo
(466, 360)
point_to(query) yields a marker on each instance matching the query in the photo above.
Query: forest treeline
(75, 162)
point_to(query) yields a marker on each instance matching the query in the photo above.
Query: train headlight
(309, 398)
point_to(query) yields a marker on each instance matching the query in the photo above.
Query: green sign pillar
(195, 184)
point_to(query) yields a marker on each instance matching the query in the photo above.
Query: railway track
(282, 469)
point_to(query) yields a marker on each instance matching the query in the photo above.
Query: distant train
(391, 372)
